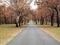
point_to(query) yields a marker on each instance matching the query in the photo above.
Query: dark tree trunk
(20, 20)
(17, 25)
(5, 20)
(11, 19)
(57, 17)
(52, 22)
(46, 20)
(36, 21)
(42, 20)
(57, 21)
(0, 20)
(17, 21)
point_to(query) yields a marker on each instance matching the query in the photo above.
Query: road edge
(51, 34)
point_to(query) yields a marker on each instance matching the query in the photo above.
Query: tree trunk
(42, 20)
(11, 19)
(52, 19)
(5, 20)
(57, 17)
(20, 20)
(0, 20)
(46, 20)
(36, 21)
(17, 21)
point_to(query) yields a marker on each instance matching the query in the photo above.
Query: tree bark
(42, 20)
(20, 20)
(46, 20)
(57, 17)
(52, 19)
(5, 20)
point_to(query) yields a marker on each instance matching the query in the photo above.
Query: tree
(52, 6)
(22, 9)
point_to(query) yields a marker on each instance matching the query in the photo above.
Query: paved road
(33, 36)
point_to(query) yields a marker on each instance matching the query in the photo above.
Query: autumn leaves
(48, 11)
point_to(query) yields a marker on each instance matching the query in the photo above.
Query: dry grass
(7, 32)
(54, 31)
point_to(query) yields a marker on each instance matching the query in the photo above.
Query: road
(32, 35)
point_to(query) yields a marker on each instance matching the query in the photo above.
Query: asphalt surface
(32, 35)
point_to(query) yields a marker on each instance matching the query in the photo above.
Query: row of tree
(48, 11)
(23, 11)
(18, 12)
(6, 15)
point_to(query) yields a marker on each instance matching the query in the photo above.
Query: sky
(32, 6)
(7, 3)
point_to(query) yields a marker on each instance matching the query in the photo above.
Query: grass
(7, 31)
(54, 30)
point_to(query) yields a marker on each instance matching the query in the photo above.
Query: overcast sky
(32, 6)
(7, 3)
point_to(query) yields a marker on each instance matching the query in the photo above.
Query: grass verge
(8, 32)
(51, 30)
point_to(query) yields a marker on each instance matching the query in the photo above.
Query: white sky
(5, 2)
(32, 6)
